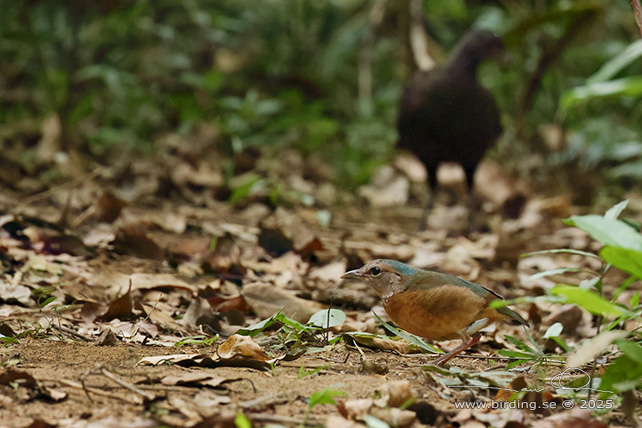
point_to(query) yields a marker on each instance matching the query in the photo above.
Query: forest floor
(152, 256)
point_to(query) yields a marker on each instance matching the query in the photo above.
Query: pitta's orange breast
(436, 313)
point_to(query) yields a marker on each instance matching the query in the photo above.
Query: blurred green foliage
(321, 76)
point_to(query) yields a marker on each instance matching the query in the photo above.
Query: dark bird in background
(433, 305)
(447, 116)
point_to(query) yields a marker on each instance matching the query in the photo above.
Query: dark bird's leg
(470, 200)
(424, 215)
(465, 345)
(432, 186)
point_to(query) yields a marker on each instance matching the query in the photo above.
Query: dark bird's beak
(352, 274)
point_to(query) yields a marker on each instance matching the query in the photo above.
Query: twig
(127, 385)
(550, 54)
(637, 11)
(359, 349)
(94, 390)
(271, 418)
(264, 400)
(418, 37)
(74, 333)
(26, 312)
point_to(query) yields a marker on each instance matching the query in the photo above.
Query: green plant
(524, 354)
(304, 373)
(322, 396)
(196, 340)
(622, 249)
(293, 334)
(43, 296)
(241, 421)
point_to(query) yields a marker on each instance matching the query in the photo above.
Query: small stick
(94, 390)
(271, 418)
(74, 333)
(264, 400)
(127, 385)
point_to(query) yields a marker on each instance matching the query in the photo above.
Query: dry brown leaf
(236, 351)
(394, 394)
(133, 239)
(366, 251)
(355, 409)
(26, 387)
(199, 312)
(148, 281)
(108, 207)
(336, 421)
(395, 417)
(15, 293)
(576, 418)
(163, 319)
(241, 345)
(388, 189)
(193, 379)
(21, 378)
(225, 304)
(412, 167)
(167, 220)
(285, 231)
(207, 401)
(330, 272)
(266, 300)
(380, 343)
(569, 316)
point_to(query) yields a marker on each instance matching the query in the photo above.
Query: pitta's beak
(352, 274)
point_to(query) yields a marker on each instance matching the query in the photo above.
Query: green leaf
(624, 259)
(558, 271)
(562, 343)
(241, 421)
(629, 86)
(197, 340)
(324, 396)
(514, 363)
(630, 349)
(622, 375)
(372, 422)
(251, 185)
(409, 337)
(635, 300)
(294, 324)
(611, 232)
(614, 212)
(47, 301)
(7, 339)
(327, 318)
(534, 22)
(588, 300)
(500, 303)
(561, 250)
(257, 328)
(622, 287)
(516, 354)
(521, 345)
(554, 330)
(303, 372)
(617, 63)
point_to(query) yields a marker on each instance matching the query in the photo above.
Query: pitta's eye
(375, 271)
